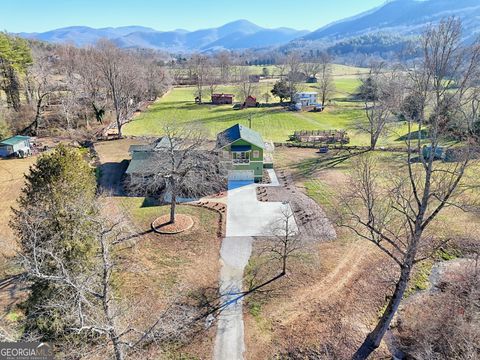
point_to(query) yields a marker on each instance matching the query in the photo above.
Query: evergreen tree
(54, 222)
(281, 90)
(15, 57)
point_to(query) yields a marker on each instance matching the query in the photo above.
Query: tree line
(51, 88)
(206, 73)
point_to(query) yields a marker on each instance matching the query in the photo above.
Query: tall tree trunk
(373, 340)
(108, 302)
(373, 140)
(173, 200)
(173, 205)
(119, 125)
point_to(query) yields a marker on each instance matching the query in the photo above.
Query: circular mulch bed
(182, 223)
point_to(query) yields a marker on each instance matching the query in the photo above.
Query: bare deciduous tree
(294, 75)
(325, 78)
(184, 167)
(199, 67)
(381, 93)
(122, 76)
(225, 62)
(396, 214)
(245, 87)
(42, 84)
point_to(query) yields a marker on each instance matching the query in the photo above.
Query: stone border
(155, 229)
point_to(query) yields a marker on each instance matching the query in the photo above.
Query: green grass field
(273, 122)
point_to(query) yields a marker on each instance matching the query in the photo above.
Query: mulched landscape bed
(182, 223)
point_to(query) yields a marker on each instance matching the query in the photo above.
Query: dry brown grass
(156, 269)
(12, 179)
(332, 307)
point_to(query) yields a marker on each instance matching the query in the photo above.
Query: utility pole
(250, 121)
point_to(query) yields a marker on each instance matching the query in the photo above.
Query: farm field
(272, 121)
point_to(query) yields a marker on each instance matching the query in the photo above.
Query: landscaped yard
(272, 121)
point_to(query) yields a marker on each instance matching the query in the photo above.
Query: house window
(256, 154)
(241, 157)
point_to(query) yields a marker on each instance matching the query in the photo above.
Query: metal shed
(16, 146)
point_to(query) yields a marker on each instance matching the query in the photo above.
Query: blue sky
(43, 15)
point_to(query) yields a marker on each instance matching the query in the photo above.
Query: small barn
(16, 146)
(250, 101)
(254, 78)
(222, 99)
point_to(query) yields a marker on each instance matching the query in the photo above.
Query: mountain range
(239, 34)
(403, 17)
(395, 18)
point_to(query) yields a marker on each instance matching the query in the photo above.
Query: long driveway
(246, 218)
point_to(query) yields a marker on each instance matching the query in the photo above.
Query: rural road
(246, 218)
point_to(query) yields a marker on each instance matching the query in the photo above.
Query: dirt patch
(162, 225)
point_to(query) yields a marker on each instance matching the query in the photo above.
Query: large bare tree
(381, 92)
(225, 63)
(199, 68)
(294, 75)
(325, 78)
(121, 75)
(245, 87)
(41, 84)
(396, 214)
(184, 166)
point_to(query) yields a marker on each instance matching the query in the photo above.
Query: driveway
(246, 217)
(235, 253)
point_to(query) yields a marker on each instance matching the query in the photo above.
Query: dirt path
(330, 286)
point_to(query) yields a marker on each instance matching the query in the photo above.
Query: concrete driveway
(246, 216)
(235, 253)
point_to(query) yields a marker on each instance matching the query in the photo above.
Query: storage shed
(16, 146)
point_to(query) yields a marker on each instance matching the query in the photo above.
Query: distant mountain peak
(233, 35)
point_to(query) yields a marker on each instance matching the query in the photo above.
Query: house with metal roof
(16, 146)
(243, 150)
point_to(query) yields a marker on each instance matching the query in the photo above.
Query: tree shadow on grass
(110, 177)
(414, 135)
(308, 167)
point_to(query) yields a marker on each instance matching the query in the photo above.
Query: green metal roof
(14, 140)
(134, 148)
(238, 132)
(143, 162)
